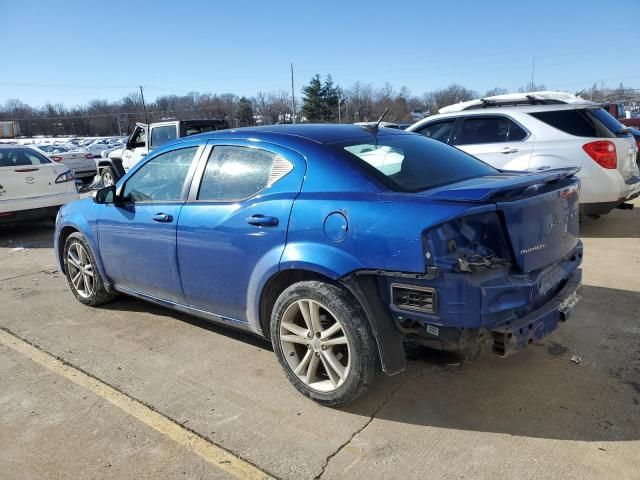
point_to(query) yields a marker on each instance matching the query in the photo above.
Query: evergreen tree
(330, 98)
(245, 112)
(313, 102)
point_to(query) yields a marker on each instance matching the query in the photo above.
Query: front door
(137, 147)
(137, 235)
(235, 222)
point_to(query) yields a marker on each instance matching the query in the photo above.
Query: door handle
(260, 220)
(162, 218)
(509, 150)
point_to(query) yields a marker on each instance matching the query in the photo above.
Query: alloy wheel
(107, 179)
(315, 345)
(80, 270)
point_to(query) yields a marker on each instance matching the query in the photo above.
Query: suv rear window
(411, 163)
(584, 122)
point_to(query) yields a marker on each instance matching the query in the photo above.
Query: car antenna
(374, 128)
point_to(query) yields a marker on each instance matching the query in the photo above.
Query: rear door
(497, 140)
(25, 173)
(235, 222)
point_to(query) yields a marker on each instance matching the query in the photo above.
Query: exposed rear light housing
(411, 297)
(603, 152)
(68, 176)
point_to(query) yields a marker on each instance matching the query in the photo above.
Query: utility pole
(144, 106)
(293, 98)
(533, 71)
(339, 107)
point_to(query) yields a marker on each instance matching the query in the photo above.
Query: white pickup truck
(145, 138)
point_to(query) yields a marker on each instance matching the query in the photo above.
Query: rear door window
(498, 129)
(236, 173)
(583, 122)
(162, 135)
(440, 131)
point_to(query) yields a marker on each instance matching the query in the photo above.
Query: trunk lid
(539, 211)
(28, 181)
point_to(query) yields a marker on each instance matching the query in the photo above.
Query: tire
(349, 349)
(108, 176)
(89, 289)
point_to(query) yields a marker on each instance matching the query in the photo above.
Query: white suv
(544, 130)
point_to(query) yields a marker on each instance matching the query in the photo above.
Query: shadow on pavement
(617, 224)
(37, 234)
(130, 304)
(538, 392)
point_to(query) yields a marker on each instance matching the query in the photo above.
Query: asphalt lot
(90, 413)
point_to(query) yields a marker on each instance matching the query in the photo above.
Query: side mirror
(105, 195)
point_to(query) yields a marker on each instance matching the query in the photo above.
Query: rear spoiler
(481, 189)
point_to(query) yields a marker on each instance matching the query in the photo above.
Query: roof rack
(528, 100)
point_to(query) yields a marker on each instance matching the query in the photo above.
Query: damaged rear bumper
(517, 334)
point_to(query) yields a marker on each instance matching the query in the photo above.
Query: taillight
(68, 176)
(467, 244)
(603, 152)
(88, 156)
(55, 158)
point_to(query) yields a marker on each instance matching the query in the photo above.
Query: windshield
(412, 163)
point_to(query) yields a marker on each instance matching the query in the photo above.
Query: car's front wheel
(108, 176)
(82, 272)
(324, 342)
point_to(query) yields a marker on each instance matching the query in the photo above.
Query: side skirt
(208, 316)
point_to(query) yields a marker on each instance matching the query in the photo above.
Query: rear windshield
(19, 157)
(411, 163)
(584, 122)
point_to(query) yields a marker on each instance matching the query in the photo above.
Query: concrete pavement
(533, 415)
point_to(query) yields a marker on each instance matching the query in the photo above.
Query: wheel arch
(84, 229)
(363, 289)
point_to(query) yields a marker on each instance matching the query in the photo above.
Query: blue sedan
(336, 242)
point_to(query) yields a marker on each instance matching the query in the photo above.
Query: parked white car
(31, 185)
(544, 130)
(98, 146)
(80, 161)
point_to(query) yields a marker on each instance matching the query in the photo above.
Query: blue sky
(74, 51)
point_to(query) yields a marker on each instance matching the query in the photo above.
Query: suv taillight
(603, 152)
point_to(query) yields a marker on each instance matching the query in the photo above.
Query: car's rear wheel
(324, 342)
(82, 272)
(108, 176)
